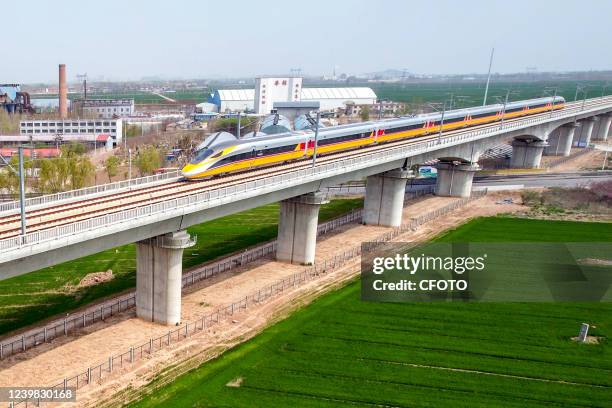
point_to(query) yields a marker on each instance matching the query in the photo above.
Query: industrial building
(13, 100)
(85, 127)
(275, 89)
(233, 100)
(337, 98)
(104, 108)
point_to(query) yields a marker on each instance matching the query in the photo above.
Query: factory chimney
(63, 92)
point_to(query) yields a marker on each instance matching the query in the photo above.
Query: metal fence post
(110, 364)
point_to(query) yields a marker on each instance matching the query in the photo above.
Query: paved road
(518, 181)
(575, 179)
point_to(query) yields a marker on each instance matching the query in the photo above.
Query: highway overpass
(155, 212)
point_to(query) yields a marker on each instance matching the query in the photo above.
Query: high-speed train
(240, 155)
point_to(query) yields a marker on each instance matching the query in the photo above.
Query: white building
(262, 98)
(104, 108)
(334, 98)
(274, 89)
(112, 127)
(233, 100)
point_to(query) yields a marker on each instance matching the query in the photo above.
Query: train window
(201, 155)
(217, 155)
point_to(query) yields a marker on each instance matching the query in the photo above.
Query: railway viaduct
(158, 222)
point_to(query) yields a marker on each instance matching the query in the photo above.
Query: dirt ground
(48, 364)
(590, 160)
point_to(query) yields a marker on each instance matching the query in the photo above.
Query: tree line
(73, 169)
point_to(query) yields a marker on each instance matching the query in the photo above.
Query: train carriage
(233, 155)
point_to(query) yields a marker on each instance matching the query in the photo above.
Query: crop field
(467, 94)
(45, 293)
(340, 351)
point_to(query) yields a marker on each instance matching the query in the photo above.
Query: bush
(531, 198)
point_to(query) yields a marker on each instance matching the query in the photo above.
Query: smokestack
(63, 92)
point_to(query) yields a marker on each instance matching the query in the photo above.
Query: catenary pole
(22, 191)
(316, 139)
(484, 102)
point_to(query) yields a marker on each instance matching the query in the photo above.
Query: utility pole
(484, 102)
(316, 139)
(129, 164)
(501, 126)
(441, 122)
(238, 127)
(22, 192)
(576, 94)
(83, 77)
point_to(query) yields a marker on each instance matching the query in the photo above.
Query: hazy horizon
(198, 39)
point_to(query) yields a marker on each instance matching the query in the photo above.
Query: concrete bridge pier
(561, 143)
(297, 228)
(587, 131)
(527, 154)
(159, 269)
(384, 198)
(455, 179)
(604, 127)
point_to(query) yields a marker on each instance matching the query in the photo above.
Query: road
(574, 179)
(518, 181)
(164, 97)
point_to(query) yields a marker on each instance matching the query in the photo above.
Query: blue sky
(131, 39)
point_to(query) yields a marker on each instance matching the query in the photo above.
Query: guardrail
(102, 188)
(251, 188)
(133, 354)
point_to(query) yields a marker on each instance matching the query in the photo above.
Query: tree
(231, 125)
(148, 160)
(73, 149)
(69, 172)
(365, 113)
(9, 178)
(112, 167)
(82, 171)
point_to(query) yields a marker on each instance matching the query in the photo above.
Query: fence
(136, 353)
(102, 188)
(200, 201)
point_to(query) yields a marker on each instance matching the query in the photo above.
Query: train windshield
(201, 155)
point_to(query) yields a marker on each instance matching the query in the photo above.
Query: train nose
(189, 170)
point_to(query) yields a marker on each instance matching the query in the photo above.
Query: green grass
(38, 295)
(341, 351)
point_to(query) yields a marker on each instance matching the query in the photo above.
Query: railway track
(65, 213)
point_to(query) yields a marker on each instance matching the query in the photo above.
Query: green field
(471, 93)
(35, 296)
(465, 94)
(341, 351)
